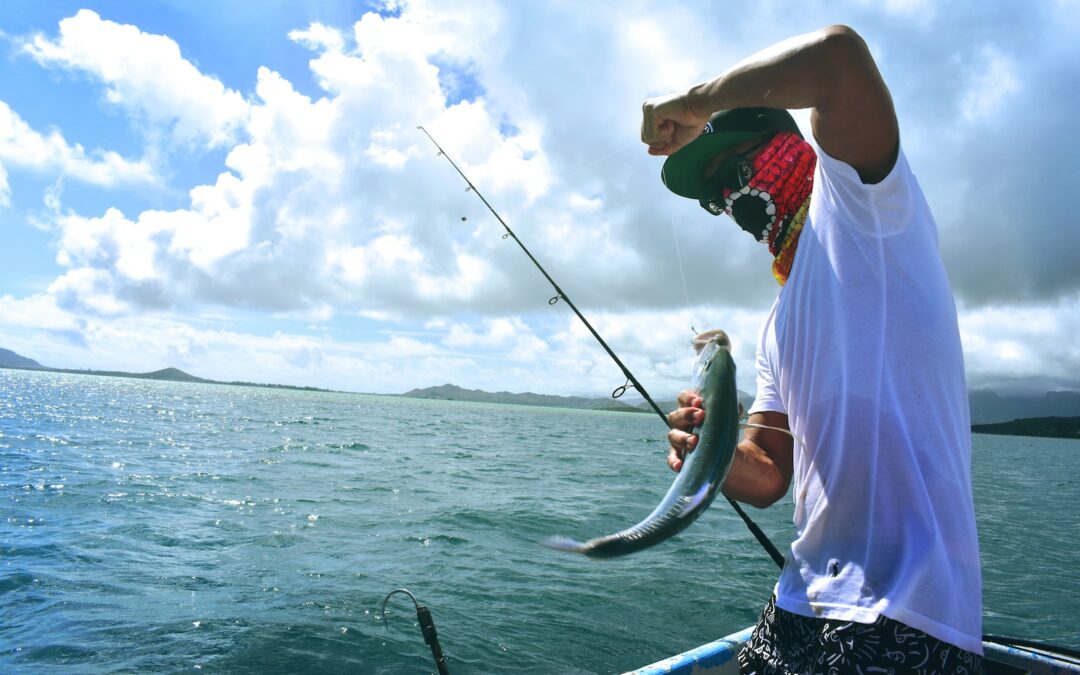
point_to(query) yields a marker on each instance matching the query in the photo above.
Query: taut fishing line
(682, 273)
(611, 154)
(631, 381)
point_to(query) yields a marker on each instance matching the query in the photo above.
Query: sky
(240, 189)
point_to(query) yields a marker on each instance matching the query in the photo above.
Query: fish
(703, 470)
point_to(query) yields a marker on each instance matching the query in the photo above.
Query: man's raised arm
(830, 71)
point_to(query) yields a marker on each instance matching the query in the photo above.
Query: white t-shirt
(861, 350)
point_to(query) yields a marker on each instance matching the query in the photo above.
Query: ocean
(159, 527)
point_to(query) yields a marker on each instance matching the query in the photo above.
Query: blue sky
(239, 189)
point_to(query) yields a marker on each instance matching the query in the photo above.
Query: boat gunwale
(719, 657)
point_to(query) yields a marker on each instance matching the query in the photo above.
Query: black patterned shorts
(789, 644)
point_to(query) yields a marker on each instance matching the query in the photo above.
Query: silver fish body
(699, 480)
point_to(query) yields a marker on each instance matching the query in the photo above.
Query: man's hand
(669, 122)
(682, 421)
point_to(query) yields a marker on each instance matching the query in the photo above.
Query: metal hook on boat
(427, 627)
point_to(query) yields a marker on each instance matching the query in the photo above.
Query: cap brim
(683, 172)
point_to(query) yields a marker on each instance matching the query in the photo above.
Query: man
(860, 358)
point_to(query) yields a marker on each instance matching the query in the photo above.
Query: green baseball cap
(683, 172)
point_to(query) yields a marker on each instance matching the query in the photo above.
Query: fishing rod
(631, 381)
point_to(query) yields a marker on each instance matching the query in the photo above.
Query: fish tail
(560, 543)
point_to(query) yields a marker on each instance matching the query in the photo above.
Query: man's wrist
(694, 103)
(699, 101)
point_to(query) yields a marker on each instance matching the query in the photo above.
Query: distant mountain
(9, 359)
(1046, 427)
(988, 406)
(450, 392)
(173, 375)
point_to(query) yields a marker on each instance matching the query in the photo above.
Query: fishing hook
(631, 381)
(427, 626)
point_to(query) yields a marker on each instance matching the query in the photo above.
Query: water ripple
(247, 530)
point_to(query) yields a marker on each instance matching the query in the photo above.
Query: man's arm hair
(830, 71)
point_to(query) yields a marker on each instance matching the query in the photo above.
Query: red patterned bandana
(770, 197)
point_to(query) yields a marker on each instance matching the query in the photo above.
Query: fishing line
(607, 156)
(682, 273)
(755, 425)
(631, 381)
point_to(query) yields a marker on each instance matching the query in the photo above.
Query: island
(1043, 427)
(987, 407)
(12, 361)
(450, 392)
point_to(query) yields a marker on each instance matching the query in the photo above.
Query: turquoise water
(173, 527)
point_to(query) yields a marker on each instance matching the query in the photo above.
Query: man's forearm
(797, 73)
(830, 71)
(755, 477)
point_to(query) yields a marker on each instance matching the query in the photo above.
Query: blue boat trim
(714, 658)
(1015, 655)
(1029, 656)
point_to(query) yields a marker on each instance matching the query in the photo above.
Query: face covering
(769, 198)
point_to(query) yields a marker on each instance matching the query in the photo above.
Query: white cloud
(920, 11)
(991, 87)
(88, 290)
(39, 312)
(331, 203)
(5, 189)
(657, 53)
(319, 38)
(315, 208)
(291, 132)
(147, 76)
(1029, 346)
(1010, 348)
(388, 149)
(22, 147)
(509, 336)
(149, 342)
